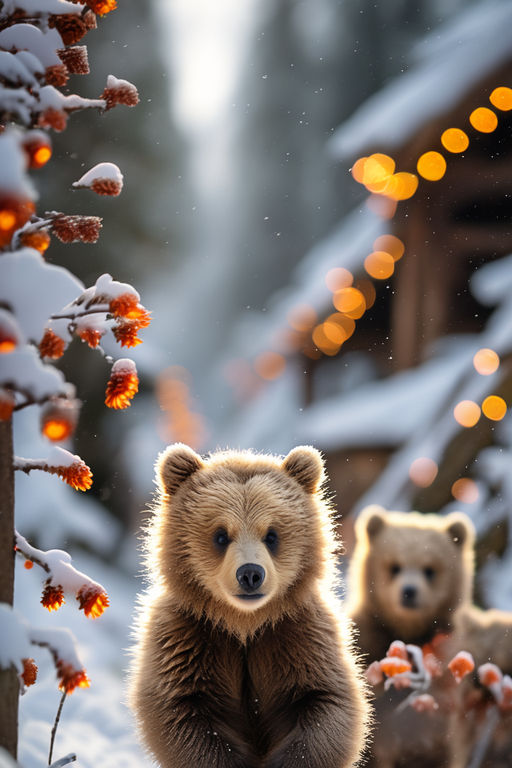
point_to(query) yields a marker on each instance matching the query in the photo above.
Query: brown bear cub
(409, 574)
(242, 660)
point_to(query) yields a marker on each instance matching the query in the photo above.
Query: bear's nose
(409, 596)
(250, 577)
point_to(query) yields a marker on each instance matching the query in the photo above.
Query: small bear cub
(242, 657)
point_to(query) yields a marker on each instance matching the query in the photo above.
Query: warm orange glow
(401, 186)
(122, 387)
(71, 678)
(393, 665)
(432, 166)
(350, 301)
(501, 98)
(381, 205)
(126, 305)
(367, 288)
(486, 361)
(269, 365)
(126, 333)
(338, 278)
(41, 156)
(28, 565)
(357, 169)
(302, 317)
(53, 597)
(39, 240)
(377, 170)
(461, 665)
(390, 244)
(379, 265)
(454, 140)
(29, 674)
(467, 413)
(7, 345)
(423, 471)
(91, 336)
(484, 120)
(102, 7)
(346, 323)
(57, 430)
(51, 345)
(323, 342)
(494, 407)
(7, 219)
(334, 332)
(92, 601)
(78, 475)
(465, 490)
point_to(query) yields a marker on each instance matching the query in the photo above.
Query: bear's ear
(373, 519)
(305, 465)
(175, 464)
(460, 529)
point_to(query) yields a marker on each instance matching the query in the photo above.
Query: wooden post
(9, 687)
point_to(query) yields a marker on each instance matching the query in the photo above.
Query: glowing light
(494, 407)
(323, 343)
(379, 265)
(334, 332)
(454, 140)
(465, 490)
(423, 471)
(28, 564)
(381, 205)
(302, 317)
(401, 186)
(357, 170)
(501, 98)
(432, 166)
(486, 361)
(7, 219)
(390, 244)
(484, 120)
(41, 156)
(467, 413)
(350, 301)
(367, 288)
(269, 365)
(7, 345)
(57, 430)
(337, 278)
(376, 172)
(344, 322)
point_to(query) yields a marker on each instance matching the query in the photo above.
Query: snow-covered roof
(447, 63)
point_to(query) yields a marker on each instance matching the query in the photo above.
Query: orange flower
(489, 674)
(92, 601)
(38, 239)
(126, 334)
(77, 475)
(76, 228)
(53, 597)
(461, 665)
(29, 674)
(92, 336)
(51, 345)
(397, 650)
(393, 665)
(126, 305)
(122, 387)
(7, 403)
(71, 678)
(101, 7)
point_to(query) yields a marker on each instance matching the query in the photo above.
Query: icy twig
(55, 725)
(64, 760)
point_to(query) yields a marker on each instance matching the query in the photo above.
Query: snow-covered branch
(69, 467)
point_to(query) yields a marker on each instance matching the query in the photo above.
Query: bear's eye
(394, 569)
(221, 538)
(429, 572)
(271, 540)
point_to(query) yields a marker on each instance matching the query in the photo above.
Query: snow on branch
(103, 178)
(70, 468)
(62, 578)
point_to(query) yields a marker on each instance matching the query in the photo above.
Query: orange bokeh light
(377, 170)
(302, 317)
(432, 166)
(390, 244)
(269, 365)
(465, 490)
(423, 471)
(367, 288)
(381, 205)
(379, 265)
(323, 342)
(41, 156)
(467, 413)
(337, 278)
(7, 219)
(334, 332)
(484, 120)
(350, 301)
(494, 407)
(401, 186)
(454, 140)
(486, 361)
(57, 429)
(501, 98)
(346, 323)
(7, 345)
(357, 170)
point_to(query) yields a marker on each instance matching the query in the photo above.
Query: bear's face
(418, 568)
(239, 533)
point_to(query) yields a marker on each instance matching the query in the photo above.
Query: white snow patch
(23, 370)
(100, 171)
(43, 44)
(14, 180)
(14, 643)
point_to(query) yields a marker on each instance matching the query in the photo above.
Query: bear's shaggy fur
(242, 659)
(409, 574)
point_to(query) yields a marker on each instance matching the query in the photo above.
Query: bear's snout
(250, 577)
(409, 595)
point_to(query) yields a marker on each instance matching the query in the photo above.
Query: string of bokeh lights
(352, 298)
